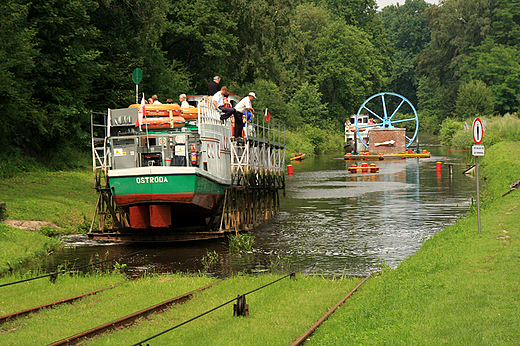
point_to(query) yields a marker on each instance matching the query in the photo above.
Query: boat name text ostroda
(151, 180)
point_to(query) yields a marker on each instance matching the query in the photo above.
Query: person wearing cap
(241, 107)
(213, 86)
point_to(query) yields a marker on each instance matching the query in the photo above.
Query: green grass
(41, 291)
(18, 247)
(461, 288)
(278, 313)
(67, 199)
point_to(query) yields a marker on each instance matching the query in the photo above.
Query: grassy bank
(461, 288)
(18, 247)
(66, 199)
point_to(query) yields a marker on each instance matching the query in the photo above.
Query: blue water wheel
(389, 110)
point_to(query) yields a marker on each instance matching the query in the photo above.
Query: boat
(404, 155)
(168, 172)
(350, 133)
(298, 157)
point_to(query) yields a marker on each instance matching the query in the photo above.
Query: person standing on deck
(241, 107)
(213, 86)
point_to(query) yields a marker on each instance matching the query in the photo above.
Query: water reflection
(346, 223)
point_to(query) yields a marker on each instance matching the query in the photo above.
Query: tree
(306, 106)
(348, 69)
(200, 35)
(457, 27)
(262, 29)
(131, 36)
(298, 54)
(506, 23)
(17, 53)
(408, 32)
(499, 67)
(474, 99)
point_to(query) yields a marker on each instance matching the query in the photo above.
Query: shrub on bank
(497, 129)
(313, 141)
(18, 247)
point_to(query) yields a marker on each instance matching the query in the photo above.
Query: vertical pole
(478, 195)
(137, 93)
(355, 143)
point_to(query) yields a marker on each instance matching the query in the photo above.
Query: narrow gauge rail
(129, 319)
(309, 331)
(6, 318)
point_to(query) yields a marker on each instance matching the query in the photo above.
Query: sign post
(137, 77)
(477, 150)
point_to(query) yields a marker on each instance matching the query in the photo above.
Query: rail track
(309, 331)
(240, 309)
(128, 319)
(7, 318)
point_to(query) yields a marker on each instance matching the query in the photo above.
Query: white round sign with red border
(478, 131)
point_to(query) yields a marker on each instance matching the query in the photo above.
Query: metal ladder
(107, 211)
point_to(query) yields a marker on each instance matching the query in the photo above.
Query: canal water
(332, 222)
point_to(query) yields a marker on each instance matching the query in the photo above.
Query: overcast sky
(384, 3)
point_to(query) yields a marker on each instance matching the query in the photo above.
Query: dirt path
(29, 225)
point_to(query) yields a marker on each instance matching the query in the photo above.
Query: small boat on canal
(298, 157)
(350, 132)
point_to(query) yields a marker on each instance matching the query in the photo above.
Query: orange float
(190, 113)
(160, 110)
(155, 123)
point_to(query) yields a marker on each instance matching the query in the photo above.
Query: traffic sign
(137, 75)
(478, 131)
(477, 150)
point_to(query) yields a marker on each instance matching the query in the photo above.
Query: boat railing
(100, 157)
(207, 112)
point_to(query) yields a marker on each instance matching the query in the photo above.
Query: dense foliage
(311, 62)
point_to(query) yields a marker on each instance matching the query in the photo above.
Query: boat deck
(367, 156)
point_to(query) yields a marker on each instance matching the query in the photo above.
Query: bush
(496, 130)
(499, 129)
(428, 122)
(49, 231)
(448, 129)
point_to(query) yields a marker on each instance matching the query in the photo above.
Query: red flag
(267, 115)
(141, 114)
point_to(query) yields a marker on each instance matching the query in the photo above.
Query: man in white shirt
(155, 100)
(218, 101)
(241, 107)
